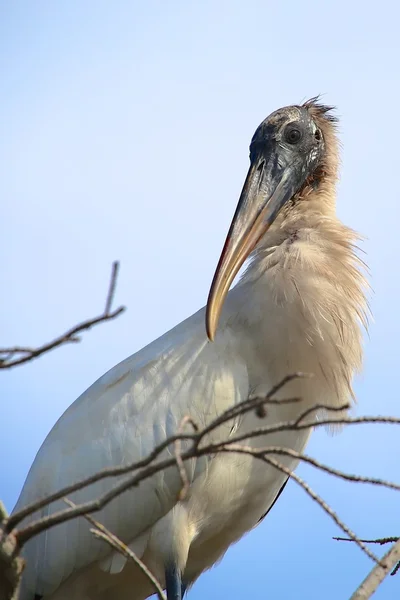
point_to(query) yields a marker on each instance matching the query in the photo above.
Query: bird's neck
(302, 302)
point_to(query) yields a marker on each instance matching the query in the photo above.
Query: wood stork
(300, 306)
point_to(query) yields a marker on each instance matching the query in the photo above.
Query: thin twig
(8, 358)
(330, 470)
(396, 569)
(297, 425)
(253, 403)
(105, 534)
(111, 289)
(178, 457)
(323, 505)
(381, 542)
(378, 574)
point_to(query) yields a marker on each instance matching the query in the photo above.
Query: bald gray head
(286, 154)
(289, 140)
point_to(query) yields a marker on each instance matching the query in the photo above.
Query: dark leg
(173, 583)
(183, 589)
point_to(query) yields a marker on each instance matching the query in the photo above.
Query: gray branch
(19, 355)
(13, 536)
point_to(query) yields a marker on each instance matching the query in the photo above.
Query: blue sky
(124, 135)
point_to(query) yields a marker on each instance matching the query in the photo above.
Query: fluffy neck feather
(302, 298)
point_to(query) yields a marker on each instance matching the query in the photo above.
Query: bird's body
(299, 307)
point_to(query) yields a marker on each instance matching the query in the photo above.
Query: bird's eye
(293, 135)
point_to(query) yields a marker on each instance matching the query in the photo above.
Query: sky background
(124, 133)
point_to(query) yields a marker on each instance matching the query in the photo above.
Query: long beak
(266, 189)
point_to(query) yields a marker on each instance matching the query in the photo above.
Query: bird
(300, 305)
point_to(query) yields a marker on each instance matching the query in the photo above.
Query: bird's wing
(119, 420)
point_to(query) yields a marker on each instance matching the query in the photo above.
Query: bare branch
(378, 574)
(396, 569)
(39, 525)
(154, 463)
(380, 541)
(146, 469)
(298, 424)
(240, 408)
(11, 565)
(255, 403)
(178, 457)
(132, 481)
(111, 289)
(331, 471)
(18, 355)
(323, 505)
(112, 540)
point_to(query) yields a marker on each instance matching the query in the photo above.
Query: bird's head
(292, 153)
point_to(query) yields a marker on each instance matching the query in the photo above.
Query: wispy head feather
(323, 110)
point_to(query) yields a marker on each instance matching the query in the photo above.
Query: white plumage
(299, 307)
